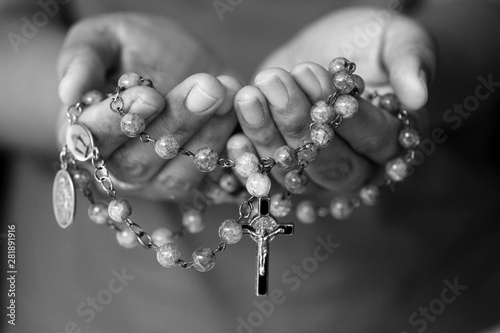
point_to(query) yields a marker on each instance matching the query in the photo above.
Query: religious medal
(63, 199)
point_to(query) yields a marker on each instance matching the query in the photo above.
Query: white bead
(162, 236)
(98, 212)
(341, 208)
(119, 210)
(281, 205)
(126, 238)
(168, 255)
(306, 212)
(192, 220)
(230, 231)
(247, 164)
(369, 194)
(203, 259)
(396, 169)
(258, 184)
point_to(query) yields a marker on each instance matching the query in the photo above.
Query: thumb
(86, 56)
(410, 59)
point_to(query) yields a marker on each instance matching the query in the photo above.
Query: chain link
(226, 163)
(142, 236)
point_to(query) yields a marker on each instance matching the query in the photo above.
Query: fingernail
(199, 101)
(307, 79)
(274, 89)
(143, 108)
(252, 111)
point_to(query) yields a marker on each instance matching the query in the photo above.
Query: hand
(195, 110)
(275, 111)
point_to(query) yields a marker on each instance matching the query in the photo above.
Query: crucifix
(263, 228)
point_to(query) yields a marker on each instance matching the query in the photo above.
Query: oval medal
(63, 199)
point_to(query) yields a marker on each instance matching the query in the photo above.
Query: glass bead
(285, 157)
(306, 212)
(396, 169)
(206, 159)
(337, 64)
(168, 255)
(346, 105)
(322, 112)
(203, 259)
(281, 205)
(98, 212)
(92, 97)
(321, 134)
(390, 102)
(129, 80)
(119, 210)
(343, 81)
(360, 85)
(409, 138)
(296, 181)
(126, 238)
(228, 182)
(132, 125)
(369, 194)
(230, 231)
(81, 178)
(341, 208)
(308, 154)
(167, 146)
(258, 184)
(247, 164)
(162, 236)
(192, 220)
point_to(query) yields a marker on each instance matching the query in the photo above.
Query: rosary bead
(346, 105)
(230, 232)
(228, 182)
(258, 184)
(321, 134)
(409, 138)
(206, 159)
(322, 113)
(167, 146)
(92, 97)
(126, 238)
(343, 81)
(247, 164)
(162, 236)
(360, 85)
(308, 154)
(281, 205)
(192, 220)
(369, 194)
(396, 169)
(306, 212)
(129, 80)
(81, 178)
(132, 125)
(285, 157)
(203, 259)
(341, 208)
(119, 210)
(296, 181)
(98, 212)
(168, 255)
(390, 102)
(337, 64)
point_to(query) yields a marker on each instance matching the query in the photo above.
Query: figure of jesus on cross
(263, 228)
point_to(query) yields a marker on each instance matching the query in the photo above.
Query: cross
(263, 228)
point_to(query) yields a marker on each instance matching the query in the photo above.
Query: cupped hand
(275, 110)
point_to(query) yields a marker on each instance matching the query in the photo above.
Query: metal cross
(263, 228)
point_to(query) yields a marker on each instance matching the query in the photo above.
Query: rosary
(258, 213)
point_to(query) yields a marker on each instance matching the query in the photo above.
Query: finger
(190, 106)
(371, 132)
(410, 60)
(104, 124)
(87, 53)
